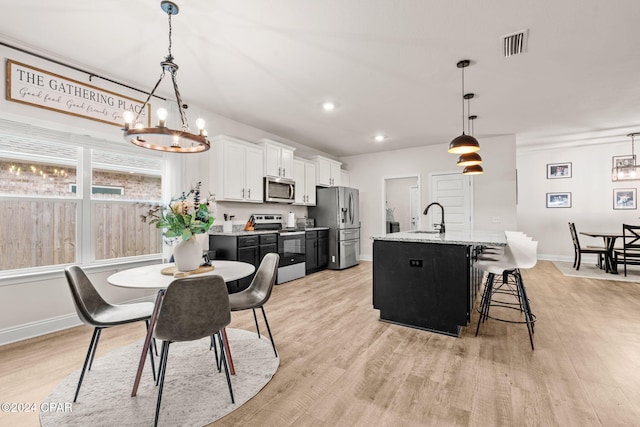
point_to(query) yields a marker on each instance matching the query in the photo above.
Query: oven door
(291, 247)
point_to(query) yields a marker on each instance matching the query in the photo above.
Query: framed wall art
(624, 198)
(623, 161)
(558, 200)
(558, 170)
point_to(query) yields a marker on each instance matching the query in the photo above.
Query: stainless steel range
(291, 246)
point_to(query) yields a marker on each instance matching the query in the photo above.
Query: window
(67, 200)
(117, 226)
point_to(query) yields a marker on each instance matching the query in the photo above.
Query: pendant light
(463, 143)
(473, 170)
(625, 168)
(471, 161)
(161, 137)
(473, 158)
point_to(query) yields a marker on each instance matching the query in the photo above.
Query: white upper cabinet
(345, 178)
(327, 172)
(278, 159)
(238, 170)
(305, 178)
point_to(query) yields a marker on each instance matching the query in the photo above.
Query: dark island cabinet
(316, 250)
(250, 249)
(425, 285)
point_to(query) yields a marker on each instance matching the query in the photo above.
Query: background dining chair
(192, 308)
(258, 292)
(578, 250)
(94, 311)
(630, 251)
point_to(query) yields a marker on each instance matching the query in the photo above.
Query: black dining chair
(630, 252)
(578, 250)
(192, 308)
(258, 292)
(94, 311)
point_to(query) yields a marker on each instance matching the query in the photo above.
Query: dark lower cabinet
(323, 249)
(425, 285)
(317, 250)
(250, 249)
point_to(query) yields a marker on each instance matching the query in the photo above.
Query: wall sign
(33, 86)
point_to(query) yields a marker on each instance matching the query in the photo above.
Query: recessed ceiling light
(328, 106)
(380, 137)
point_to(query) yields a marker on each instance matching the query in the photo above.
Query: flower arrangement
(185, 216)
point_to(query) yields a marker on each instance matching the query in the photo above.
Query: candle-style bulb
(162, 117)
(128, 119)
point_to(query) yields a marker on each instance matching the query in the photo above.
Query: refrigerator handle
(351, 207)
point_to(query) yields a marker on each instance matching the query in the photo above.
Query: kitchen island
(427, 280)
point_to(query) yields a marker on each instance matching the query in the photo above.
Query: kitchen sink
(425, 231)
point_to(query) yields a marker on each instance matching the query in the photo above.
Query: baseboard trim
(35, 329)
(45, 326)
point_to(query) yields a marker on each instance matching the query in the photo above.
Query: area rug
(194, 394)
(591, 271)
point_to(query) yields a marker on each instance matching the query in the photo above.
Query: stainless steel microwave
(279, 190)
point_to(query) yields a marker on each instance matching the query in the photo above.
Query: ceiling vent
(515, 43)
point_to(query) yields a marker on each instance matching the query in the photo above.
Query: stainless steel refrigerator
(338, 209)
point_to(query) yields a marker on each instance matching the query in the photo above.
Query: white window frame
(85, 240)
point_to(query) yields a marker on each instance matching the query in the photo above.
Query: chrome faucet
(442, 208)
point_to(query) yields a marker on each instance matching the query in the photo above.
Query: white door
(414, 207)
(454, 192)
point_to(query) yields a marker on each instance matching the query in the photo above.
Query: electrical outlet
(415, 262)
(495, 219)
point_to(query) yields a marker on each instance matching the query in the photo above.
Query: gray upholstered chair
(95, 311)
(258, 292)
(192, 308)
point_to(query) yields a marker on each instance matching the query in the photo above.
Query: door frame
(418, 177)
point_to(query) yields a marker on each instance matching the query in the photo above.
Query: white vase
(188, 254)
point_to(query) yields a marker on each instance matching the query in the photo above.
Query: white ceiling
(390, 65)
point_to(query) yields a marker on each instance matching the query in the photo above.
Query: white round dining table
(150, 276)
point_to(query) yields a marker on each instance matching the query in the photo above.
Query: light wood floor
(341, 366)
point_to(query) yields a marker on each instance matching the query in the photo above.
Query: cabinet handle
(243, 193)
(249, 194)
(279, 171)
(284, 171)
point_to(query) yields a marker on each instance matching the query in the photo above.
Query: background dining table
(609, 243)
(152, 277)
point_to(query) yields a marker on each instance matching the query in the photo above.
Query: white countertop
(252, 233)
(469, 237)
